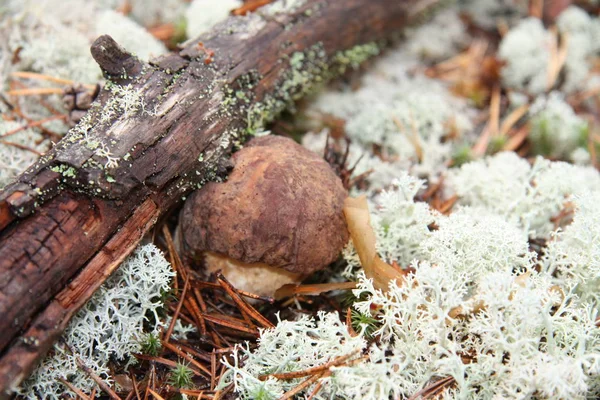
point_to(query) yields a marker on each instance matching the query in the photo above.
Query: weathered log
(157, 132)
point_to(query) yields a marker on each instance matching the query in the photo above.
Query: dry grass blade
(492, 128)
(42, 77)
(151, 378)
(192, 307)
(232, 323)
(413, 137)
(517, 139)
(480, 147)
(20, 146)
(249, 295)
(250, 6)
(101, 384)
(174, 256)
(511, 119)
(202, 304)
(135, 386)
(196, 394)
(316, 289)
(187, 357)
(558, 56)
(34, 91)
(156, 395)
(229, 289)
(351, 330)
(177, 311)
(244, 307)
(164, 361)
(74, 389)
(213, 370)
(34, 124)
(315, 391)
(311, 371)
(290, 394)
(447, 206)
(433, 389)
(495, 111)
(201, 322)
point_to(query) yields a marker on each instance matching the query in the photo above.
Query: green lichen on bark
(308, 71)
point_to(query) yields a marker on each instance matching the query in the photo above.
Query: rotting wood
(156, 132)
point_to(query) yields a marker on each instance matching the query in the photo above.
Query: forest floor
(475, 141)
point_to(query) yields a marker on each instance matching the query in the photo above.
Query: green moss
(461, 156)
(364, 323)
(497, 144)
(543, 144)
(584, 135)
(151, 345)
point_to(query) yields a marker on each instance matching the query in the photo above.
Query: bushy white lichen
(290, 346)
(128, 34)
(154, 13)
(459, 242)
(527, 196)
(414, 120)
(441, 38)
(573, 254)
(526, 51)
(488, 13)
(582, 35)
(201, 15)
(515, 345)
(556, 131)
(109, 327)
(50, 47)
(401, 224)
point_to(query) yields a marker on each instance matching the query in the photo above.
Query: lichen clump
(112, 325)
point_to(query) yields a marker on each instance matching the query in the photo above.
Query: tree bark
(157, 132)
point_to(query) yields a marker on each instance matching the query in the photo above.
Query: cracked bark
(158, 131)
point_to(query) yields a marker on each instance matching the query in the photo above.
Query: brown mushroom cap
(281, 205)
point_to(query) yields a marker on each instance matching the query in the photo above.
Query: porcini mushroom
(276, 219)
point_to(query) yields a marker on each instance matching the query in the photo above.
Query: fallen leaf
(358, 219)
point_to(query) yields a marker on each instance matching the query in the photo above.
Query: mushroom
(276, 219)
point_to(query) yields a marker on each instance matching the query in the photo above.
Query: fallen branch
(157, 132)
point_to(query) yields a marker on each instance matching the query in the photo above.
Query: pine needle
(43, 77)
